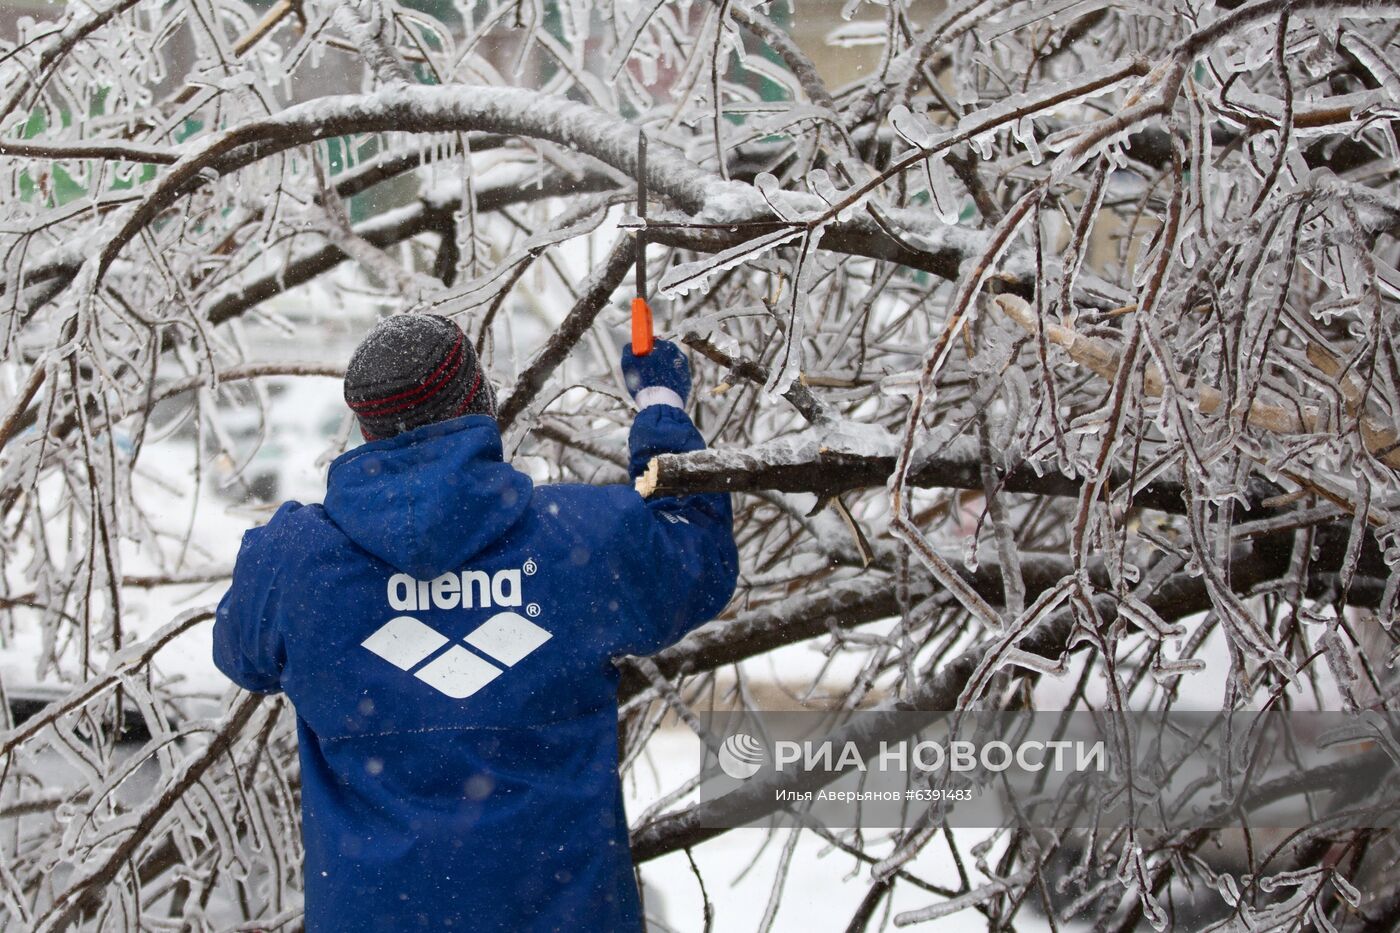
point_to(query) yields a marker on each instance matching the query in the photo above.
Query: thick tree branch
(384, 231)
(108, 151)
(460, 108)
(828, 472)
(845, 604)
(596, 292)
(1178, 595)
(1104, 359)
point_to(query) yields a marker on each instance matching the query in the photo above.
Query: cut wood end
(720, 389)
(646, 483)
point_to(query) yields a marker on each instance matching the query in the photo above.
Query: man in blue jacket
(446, 631)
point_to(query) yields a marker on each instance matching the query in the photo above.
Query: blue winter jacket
(446, 632)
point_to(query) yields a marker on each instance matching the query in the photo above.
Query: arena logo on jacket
(507, 637)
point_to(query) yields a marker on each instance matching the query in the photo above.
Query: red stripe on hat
(430, 386)
(470, 395)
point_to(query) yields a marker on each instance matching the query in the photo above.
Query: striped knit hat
(412, 370)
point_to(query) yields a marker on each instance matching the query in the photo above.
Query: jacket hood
(428, 500)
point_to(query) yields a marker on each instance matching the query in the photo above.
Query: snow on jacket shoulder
(446, 632)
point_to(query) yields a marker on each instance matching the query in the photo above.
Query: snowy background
(1050, 347)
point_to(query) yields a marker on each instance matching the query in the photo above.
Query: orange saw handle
(642, 337)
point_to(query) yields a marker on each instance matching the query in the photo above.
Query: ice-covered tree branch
(1001, 306)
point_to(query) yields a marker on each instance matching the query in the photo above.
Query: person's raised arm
(675, 555)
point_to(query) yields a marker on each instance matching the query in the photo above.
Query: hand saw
(642, 337)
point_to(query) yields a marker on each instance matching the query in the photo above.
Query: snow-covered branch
(1053, 355)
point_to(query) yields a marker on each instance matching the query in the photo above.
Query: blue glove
(662, 377)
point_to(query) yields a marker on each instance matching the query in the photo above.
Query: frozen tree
(1050, 360)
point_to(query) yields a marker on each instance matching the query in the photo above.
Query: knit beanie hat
(412, 370)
